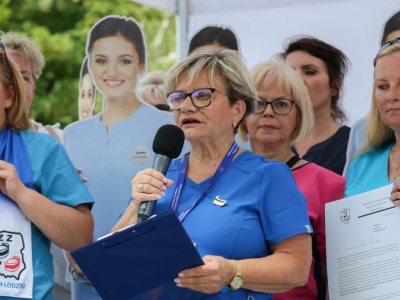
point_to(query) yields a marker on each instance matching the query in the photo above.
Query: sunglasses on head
(387, 45)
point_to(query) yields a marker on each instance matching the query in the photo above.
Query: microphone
(167, 145)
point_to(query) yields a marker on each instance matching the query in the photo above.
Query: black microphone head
(168, 141)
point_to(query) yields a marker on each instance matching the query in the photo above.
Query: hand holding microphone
(167, 145)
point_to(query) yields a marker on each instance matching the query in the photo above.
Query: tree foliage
(60, 27)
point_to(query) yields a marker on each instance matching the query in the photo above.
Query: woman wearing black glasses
(247, 217)
(379, 161)
(282, 117)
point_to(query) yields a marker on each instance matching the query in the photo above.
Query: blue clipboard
(141, 261)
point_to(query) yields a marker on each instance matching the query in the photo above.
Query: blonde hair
(17, 114)
(287, 80)
(27, 48)
(378, 133)
(225, 65)
(151, 87)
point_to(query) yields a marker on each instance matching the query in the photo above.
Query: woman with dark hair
(87, 93)
(118, 26)
(213, 37)
(116, 143)
(323, 68)
(391, 29)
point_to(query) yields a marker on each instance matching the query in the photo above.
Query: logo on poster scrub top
(12, 248)
(345, 215)
(140, 155)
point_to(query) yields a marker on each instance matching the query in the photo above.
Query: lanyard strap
(182, 175)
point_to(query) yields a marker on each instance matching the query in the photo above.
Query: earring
(234, 125)
(8, 105)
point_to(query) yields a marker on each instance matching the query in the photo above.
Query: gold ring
(141, 188)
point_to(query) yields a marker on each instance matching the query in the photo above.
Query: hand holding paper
(363, 246)
(395, 197)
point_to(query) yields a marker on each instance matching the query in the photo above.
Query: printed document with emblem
(140, 261)
(363, 246)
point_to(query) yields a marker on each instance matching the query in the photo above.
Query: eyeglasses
(279, 106)
(200, 98)
(387, 45)
(5, 57)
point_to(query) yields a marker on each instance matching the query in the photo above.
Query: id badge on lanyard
(16, 268)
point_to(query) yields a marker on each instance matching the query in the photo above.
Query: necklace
(397, 163)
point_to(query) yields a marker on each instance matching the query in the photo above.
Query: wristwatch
(237, 281)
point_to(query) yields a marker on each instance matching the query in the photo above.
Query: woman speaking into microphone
(244, 212)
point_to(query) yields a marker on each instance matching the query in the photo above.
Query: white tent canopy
(354, 26)
(185, 8)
